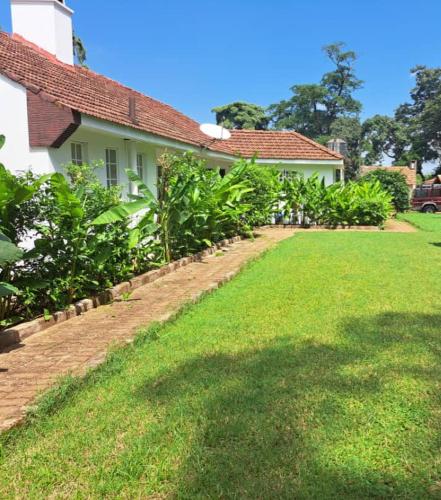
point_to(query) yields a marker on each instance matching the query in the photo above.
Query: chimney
(339, 146)
(46, 23)
(132, 110)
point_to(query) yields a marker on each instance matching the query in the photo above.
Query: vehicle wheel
(429, 209)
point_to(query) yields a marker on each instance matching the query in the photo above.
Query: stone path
(82, 342)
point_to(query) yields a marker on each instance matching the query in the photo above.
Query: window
(287, 175)
(338, 175)
(140, 166)
(77, 153)
(111, 167)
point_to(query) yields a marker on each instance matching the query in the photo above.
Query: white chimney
(46, 23)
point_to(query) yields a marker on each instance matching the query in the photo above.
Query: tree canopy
(242, 115)
(313, 108)
(328, 109)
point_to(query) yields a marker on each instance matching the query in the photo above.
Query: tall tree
(242, 115)
(350, 130)
(314, 107)
(384, 136)
(422, 116)
(304, 112)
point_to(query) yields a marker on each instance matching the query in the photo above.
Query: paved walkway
(82, 342)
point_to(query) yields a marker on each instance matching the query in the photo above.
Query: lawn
(314, 374)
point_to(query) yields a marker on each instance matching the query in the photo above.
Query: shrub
(351, 204)
(263, 199)
(70, 258)
(395, 184)
(194, 208)
(309, 201)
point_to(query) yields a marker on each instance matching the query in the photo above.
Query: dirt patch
(399, 226)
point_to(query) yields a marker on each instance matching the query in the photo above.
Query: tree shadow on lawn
(313, 419)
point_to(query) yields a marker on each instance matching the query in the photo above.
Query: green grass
(314, 374)
(426, 222)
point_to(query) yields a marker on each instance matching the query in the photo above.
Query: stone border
(18, 333)
(322, 226)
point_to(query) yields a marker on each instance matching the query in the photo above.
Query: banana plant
(193, 208)
(14, 193)
(9, 254)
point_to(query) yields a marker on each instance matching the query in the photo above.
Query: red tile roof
(409, 173)
(434, 180)
(92, 94)
(282, 145)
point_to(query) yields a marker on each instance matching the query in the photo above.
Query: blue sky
(199, 54)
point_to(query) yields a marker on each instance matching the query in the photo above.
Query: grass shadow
(296, 420)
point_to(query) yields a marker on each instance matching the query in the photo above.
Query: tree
(422, 116)
(242, 115)
(79, 50)
(313, 108)
(384, 136)
(341, 83)
(304, 112)
(350, 130)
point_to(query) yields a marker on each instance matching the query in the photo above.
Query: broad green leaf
(9, 253)
(103, 256)
(134, 236)
(6, 290)
(137, 181)
(121, 212)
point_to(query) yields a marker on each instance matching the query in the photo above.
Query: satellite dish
(215, 131)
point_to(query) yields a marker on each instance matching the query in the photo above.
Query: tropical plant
(303, 199)
(395, 184)
(72, 257)
(194, 206)
(357, 204)
(9, 254)
(263, 200)
(309, 201)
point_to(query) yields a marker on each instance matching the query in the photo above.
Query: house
(408, 172)
(433, 181)
(54, 113)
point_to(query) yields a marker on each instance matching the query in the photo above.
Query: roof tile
(95, 95)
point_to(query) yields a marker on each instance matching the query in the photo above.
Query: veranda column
(132, 165)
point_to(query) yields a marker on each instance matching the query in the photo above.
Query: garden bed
(20, 332)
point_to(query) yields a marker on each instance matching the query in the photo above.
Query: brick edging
(323, 226)
(18, 333)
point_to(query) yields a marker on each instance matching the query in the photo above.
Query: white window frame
(75, 160)
(112, 180)
(286, 174)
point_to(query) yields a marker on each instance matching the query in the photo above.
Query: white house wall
(325, 171)
(94, 147)
(16, 155)
(96, 136)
